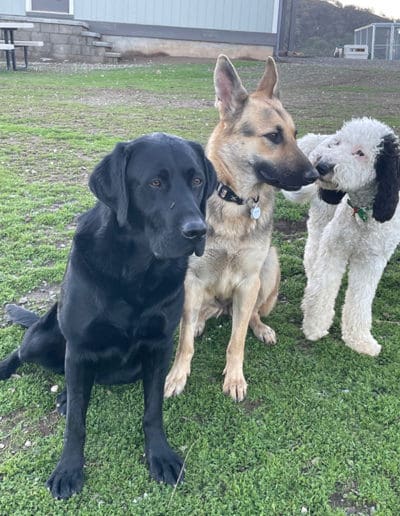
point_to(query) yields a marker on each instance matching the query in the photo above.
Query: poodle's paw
(366, 346)
(313, 332)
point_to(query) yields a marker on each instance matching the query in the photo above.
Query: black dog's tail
(9, 365)
(18, 315)
(25, 318)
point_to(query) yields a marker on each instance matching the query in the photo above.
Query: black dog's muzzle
(194, 229)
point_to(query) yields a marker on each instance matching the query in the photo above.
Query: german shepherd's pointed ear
(108, 182)
(211, 175)
(387, 168)
(230, 94)
(269, 81)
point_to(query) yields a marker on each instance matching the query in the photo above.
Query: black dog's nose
(310, 175)
(194, 229)
(324, 168)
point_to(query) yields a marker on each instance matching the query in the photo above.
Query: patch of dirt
(45, 426)
(38, 300)
(249, 406)
(48, 423)
(345, 498)
(137, 98)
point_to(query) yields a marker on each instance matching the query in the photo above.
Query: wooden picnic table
(8, 29)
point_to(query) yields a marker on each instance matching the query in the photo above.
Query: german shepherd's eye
(155, 183)
(197, 181)
(275, 137)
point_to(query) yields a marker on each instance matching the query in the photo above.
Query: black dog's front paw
(65, 481)
(165, 465)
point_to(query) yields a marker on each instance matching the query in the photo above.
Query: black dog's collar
(227, 194)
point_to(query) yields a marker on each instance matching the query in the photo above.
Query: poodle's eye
(359, 153)
(333, 144)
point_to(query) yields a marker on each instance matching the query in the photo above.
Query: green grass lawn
(319, 431)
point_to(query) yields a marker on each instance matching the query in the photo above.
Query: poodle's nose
(324, 168)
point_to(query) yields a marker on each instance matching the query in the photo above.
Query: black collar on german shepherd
(122, 293)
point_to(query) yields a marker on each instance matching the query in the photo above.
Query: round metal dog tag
(255, 212)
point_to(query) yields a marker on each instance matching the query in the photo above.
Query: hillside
(321, 26)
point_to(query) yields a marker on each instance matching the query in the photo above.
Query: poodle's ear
(387, 168)
(331, 196)
(108, 183)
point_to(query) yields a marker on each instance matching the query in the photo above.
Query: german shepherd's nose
(194, 229)
(311, 175)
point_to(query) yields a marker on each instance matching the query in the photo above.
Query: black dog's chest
(123, 315)
(122, 331)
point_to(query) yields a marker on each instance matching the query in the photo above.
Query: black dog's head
(158, 184)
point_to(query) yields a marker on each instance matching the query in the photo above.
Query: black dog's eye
(275, 137)
(155, 183)
(197, 181)
(359, 153)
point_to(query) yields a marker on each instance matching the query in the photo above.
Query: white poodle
(354, 222)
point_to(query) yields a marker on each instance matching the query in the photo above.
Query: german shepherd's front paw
(65, 481)
(264, 333)
(165, 465)
(175, 381)
(235, 385)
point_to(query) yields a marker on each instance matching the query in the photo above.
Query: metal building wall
(14, 7)
(236, 15)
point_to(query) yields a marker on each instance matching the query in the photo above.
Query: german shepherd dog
(254, 151)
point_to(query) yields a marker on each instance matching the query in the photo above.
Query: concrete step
(104, 44)
(112, 54)
(90, 34)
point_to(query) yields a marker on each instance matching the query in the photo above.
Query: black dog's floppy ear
(211, 175)
(331, 196)
(108, 182)
(387, 168)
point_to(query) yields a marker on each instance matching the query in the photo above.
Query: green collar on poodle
(361, 211)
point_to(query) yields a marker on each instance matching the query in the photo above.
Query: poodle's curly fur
(354, 222)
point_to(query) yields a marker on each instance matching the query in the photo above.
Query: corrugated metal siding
(238, 15)
(16, 7)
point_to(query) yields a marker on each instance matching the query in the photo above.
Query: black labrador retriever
(122, 293)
